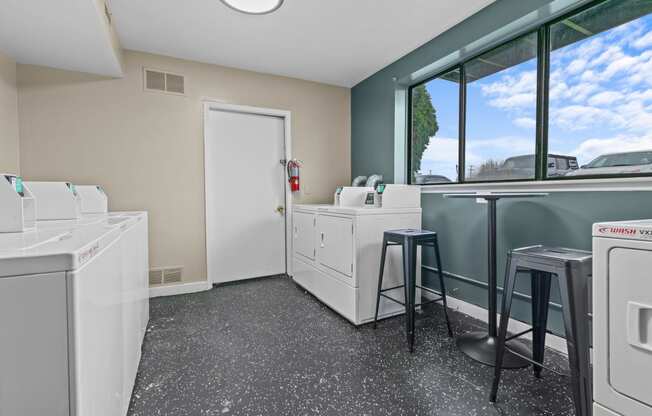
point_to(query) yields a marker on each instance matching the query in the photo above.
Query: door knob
(280, 209)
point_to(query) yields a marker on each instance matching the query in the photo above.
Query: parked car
(617, 163)
(522, 167)
(420, 179)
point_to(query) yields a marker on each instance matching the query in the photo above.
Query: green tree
(424, 124)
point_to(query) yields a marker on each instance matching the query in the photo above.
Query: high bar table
(481, 346)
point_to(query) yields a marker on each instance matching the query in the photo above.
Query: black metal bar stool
(410, 239)
(573, 270)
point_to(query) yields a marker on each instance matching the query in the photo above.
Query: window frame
(542, 110)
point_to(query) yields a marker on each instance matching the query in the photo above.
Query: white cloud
(605, 98)
(643, 42)
(515, 101)
(590, 76)
(581, 117)
(591, 148)
(513, 91)
(623, 63)
(525, 122)
(581, 91)
(577, 66)
(608, 55)
(441, 149)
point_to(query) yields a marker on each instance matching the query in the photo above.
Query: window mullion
(543, 77)
(461, 175)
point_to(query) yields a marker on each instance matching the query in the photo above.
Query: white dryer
(622, 318)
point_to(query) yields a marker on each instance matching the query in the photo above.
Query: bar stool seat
(573, 270)
(410, 239)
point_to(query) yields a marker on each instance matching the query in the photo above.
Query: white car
(617, 164)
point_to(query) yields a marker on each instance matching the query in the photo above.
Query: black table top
(496, 195)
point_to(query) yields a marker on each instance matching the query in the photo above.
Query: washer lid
(630, 230)
(53, 250)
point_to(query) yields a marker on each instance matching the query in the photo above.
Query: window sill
(572, 185)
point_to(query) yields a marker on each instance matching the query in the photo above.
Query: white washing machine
(60, 314)
(134, 263)
(622, 318)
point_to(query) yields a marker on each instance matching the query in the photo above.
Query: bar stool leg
(540, 301)
(573, 288)
(409, 273)
(380, 278)
(442, 286)
(508, 291)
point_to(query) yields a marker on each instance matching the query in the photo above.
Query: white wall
(146, 148)
(9, 159)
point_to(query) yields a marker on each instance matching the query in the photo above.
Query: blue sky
(600, 102)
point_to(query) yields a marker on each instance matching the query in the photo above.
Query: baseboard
(178, 289)
(553, 342)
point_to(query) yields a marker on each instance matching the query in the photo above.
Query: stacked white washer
(74, 309)
(622, 318)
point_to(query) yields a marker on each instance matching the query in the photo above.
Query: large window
(571, 100)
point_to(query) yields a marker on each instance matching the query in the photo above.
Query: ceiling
(71, 34)
(338, 42)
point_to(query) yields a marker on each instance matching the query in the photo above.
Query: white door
(245, 195)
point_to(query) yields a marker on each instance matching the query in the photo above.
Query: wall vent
(172, 275)
(155, 277)
(163, 275)
(164, 82)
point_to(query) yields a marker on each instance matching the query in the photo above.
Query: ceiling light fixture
(254, 6)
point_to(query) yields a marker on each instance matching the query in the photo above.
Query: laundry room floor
(266, 347)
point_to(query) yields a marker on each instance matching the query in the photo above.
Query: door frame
(214, 104)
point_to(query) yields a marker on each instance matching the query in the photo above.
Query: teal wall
(372, 100)
(561, 219)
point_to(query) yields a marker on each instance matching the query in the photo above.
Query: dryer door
(335, 244)
(630, 321)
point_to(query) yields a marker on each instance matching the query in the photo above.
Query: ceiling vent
(164, 82)
(164, 275)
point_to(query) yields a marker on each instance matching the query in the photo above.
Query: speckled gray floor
(266, 347)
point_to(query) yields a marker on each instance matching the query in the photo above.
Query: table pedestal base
(482, 348)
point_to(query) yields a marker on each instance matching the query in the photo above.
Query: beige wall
(8, 116)
(146, 148)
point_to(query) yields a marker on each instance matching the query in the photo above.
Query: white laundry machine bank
(74, 306)
(336, 253)
(622, 318)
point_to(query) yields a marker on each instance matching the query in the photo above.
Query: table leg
(481, 346)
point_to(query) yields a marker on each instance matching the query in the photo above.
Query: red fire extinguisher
(293, 174)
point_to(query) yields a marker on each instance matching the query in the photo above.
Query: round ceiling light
(254, 6)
